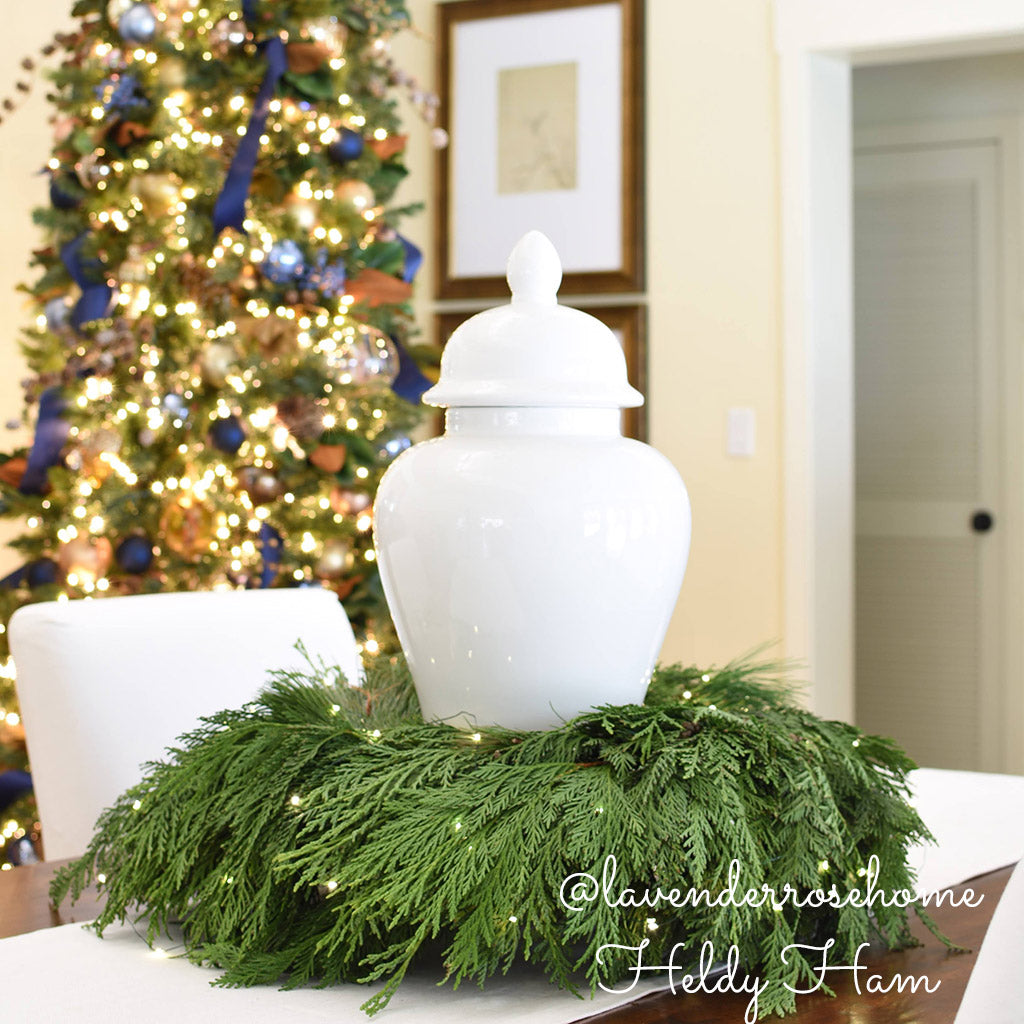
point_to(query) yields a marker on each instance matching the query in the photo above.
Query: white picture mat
(585, 224)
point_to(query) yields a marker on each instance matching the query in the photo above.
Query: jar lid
(533, 351)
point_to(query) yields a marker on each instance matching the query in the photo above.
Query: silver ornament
(57, 312)
(363, 355)
(137, 24)
(226, 34)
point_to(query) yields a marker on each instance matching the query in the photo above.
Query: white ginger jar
(531, 556)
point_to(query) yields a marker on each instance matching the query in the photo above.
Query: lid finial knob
(534, 269)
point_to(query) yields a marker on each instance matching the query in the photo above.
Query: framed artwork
(627, 323)
(543, 102)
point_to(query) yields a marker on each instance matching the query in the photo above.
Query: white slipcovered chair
(109, 684)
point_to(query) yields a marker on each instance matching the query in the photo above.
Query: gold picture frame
(543, 102)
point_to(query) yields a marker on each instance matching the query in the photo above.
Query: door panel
(927, 272)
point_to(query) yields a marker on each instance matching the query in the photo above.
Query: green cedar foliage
(324, 833)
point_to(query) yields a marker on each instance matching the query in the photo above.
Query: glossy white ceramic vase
(531, 556)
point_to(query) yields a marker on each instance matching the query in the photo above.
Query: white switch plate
(741, 433)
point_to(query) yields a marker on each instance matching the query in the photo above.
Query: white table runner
(68, 975)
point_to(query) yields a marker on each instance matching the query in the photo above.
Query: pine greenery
(324, 833)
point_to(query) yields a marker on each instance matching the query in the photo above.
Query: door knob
(982, 521)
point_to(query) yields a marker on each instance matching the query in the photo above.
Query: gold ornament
(306, 58)
(134, 268)
(187, 527)
(175, 11)
(335, 560)
(87, 456)
(347, 502)
(291, 112)
(216, 361)
(355, 194)
(304, 210)
(88, 558)
(274, 336)
(329, 33)
(134, 299)
(260, 484)
(170, 73)
(302, 416)
(158, 193)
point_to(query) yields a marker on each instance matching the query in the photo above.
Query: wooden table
(24, 907)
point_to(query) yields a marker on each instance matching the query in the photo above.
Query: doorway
(931, 238)
(818, 54)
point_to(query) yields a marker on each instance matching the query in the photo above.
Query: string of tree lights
(220, 363)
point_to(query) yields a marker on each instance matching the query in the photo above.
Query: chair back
(108, 684)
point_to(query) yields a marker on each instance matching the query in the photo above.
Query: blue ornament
(134, 554)
(227, 434)
(284, 263)
(13, 786)
(326, 278)
(120, 93)
(65, 191)
(57, 312)
(137, 24)
(348, 146)
(42, 572)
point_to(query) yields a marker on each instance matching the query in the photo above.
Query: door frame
(818, 46)
(1000, 608)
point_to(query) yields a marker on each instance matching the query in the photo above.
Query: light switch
(741, 433)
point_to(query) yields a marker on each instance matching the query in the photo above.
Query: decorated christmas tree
(220, 359)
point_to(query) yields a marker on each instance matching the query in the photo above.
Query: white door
(930, 459)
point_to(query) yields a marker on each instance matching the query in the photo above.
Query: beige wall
(713, 287)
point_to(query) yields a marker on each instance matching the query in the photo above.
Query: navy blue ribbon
(13, 785)
(410, 382)
(413, 259)
(270, 548)
(15, 579)
(51, 433)
(229, 210)
(94, 303)
(249, 10)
